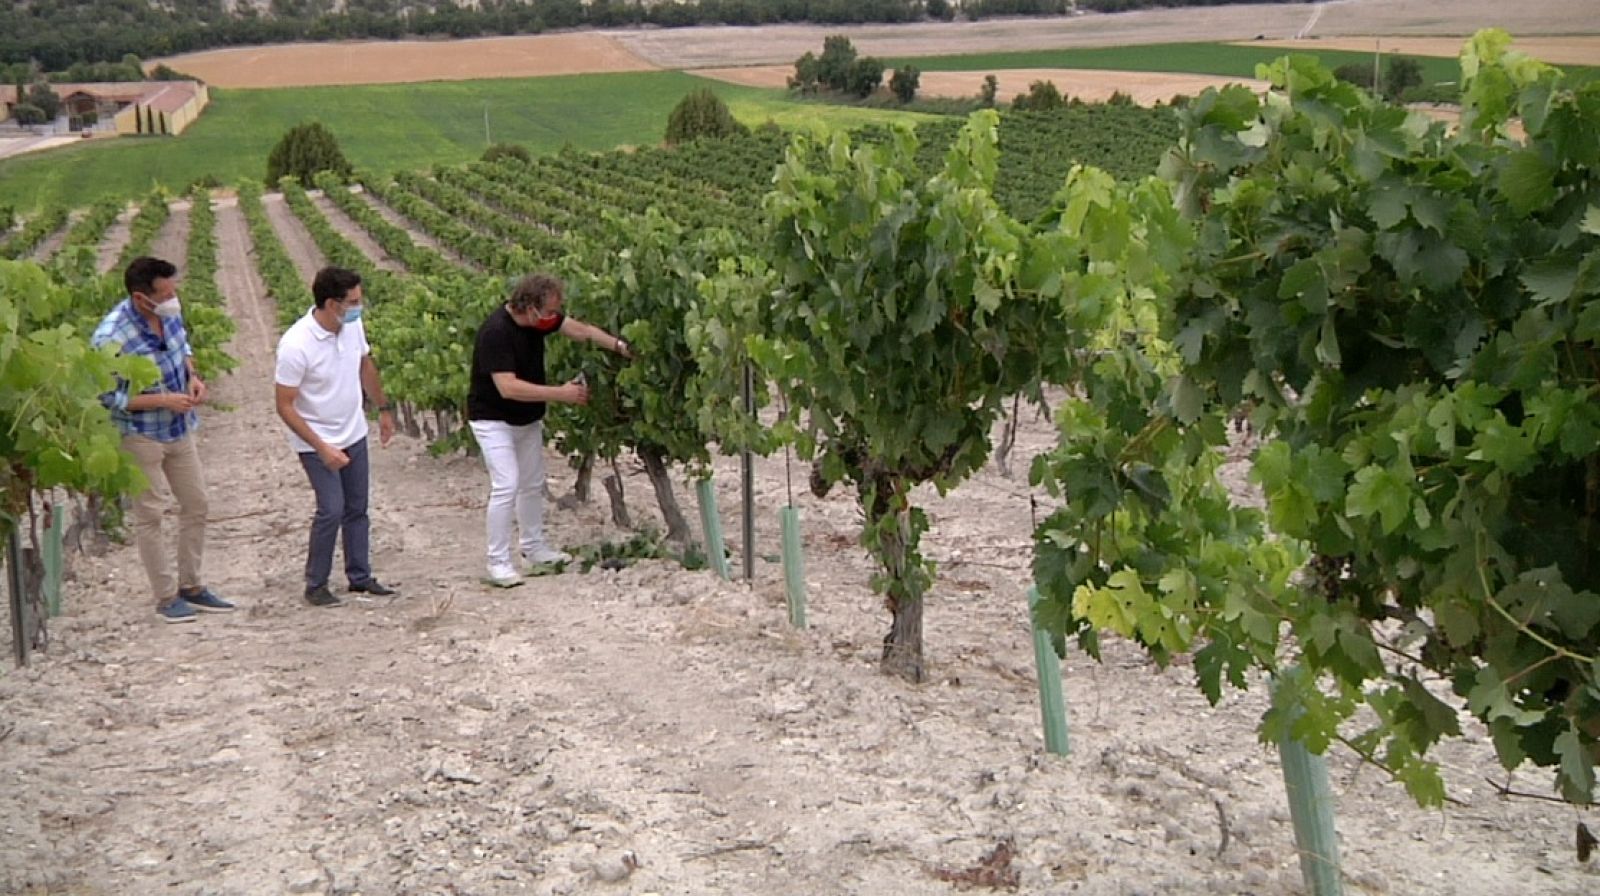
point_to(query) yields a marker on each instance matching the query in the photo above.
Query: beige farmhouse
(138, 107)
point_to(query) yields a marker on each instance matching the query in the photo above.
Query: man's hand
(385, 428)
(179, 402)
(333, 458)
(574, 392)
(197, 389)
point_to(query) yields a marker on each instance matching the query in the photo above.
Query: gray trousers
(341, 507)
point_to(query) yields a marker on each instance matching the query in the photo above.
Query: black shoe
(322, 597)
(374, 588)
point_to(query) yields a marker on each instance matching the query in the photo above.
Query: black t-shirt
(504, 345)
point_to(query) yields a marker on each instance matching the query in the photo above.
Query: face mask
(351, 315)
(169, 308)
(545, 323)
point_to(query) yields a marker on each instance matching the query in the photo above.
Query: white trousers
(515, 458)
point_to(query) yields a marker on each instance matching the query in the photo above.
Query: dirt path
(417, 234)
(116, 239)
(653, 726)
(172, 240)
(238, 280)
(50, 245)
(299, 245)
(353, 232)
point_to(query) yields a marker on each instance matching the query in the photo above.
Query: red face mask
(546, 322)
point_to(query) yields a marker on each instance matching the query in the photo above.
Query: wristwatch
(386, 408)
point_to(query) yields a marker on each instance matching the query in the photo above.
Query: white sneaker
(502, 577)
(544, 555)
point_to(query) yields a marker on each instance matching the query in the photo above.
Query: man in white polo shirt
(324, 362)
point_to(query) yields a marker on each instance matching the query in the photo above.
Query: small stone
(616, 868)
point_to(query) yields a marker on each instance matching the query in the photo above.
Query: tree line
(56, 34)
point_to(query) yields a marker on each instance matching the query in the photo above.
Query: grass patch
(1201, 58)
(814, 114)
(389, 127)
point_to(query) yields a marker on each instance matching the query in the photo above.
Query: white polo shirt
(326, 368)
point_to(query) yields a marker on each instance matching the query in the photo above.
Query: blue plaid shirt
(126, 329)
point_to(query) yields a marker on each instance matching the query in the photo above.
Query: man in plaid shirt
(158, 428)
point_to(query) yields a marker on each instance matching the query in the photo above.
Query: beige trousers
(173, 469)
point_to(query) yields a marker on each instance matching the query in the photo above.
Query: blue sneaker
(177, 610)
(206, 601)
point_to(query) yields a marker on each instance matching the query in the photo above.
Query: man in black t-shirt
(505, 408)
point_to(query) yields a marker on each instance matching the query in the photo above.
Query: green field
(393, 126)
(412, 126)
(1205, 58)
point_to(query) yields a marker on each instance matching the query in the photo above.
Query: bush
(304, 150)
(507, 151)
(1357, 73)
(1447, 93)
(1041, 96)
(28, 113)
(903, 84)
(701, 114)
(163, 72)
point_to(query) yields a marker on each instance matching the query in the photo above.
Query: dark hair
(333, 283)
(144, 271)
(532, 291)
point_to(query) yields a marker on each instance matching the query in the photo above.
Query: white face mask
(169, 308)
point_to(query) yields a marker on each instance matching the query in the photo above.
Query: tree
(1412, 335)
(53, 430)
(866, 76)
(891, 328)
(807, 77)
(701, 114)
(903, 83)
(640, 278)
(304, 150)
(835, 64)
(43, 97)
(1401, 74)
(986, 93)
